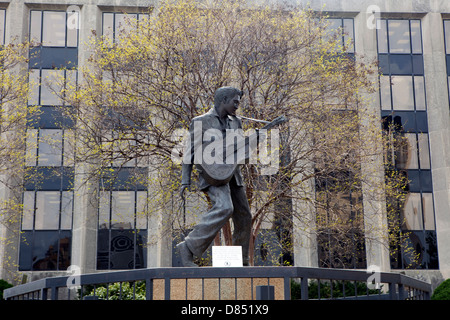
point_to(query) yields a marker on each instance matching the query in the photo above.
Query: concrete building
(411, 39)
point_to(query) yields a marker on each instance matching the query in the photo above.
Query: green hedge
(442, 292)
(326, 289)
(4, 285)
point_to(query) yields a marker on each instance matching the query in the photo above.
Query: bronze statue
(219, 176)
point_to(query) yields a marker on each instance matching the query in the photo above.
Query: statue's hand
(183, 188)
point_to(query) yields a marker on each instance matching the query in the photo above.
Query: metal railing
(159, 282)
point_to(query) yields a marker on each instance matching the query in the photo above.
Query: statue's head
(227, 99)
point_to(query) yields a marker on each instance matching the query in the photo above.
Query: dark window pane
(425, 181)
(141, 251)
(122, 249)
(409, 121)
(50, 118)
(25, 253)
(421, 122)
(448, 63)
(53, 57)
(414, 180)
(45, 250)
(417, 61)
(48, 178)
(103, 249)
(431, 250)
(65, 246)
(400, 64)
(406, 120)
(383, 60)
(413, 252)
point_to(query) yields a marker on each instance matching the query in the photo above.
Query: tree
(14, 113)
(140, 90)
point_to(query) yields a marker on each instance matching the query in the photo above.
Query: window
(115, 23)
(413, 152)
(47, 210)
(48, 200)
(122, 230)
(46, 230)
(2, 26)
(399, 36)
(340, 221)
(346, 25)
(50, 29)
(48, 84)
(49, 147)
(404, 111)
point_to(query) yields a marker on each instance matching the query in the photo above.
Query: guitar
(218, 174)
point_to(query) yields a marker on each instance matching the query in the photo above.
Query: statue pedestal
(216, 289)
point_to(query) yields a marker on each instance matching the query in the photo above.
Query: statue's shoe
(187, 258)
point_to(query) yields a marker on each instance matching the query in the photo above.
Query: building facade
(60, 227)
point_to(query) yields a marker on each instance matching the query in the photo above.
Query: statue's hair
(226, 92)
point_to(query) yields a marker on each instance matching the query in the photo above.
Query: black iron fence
(224, 284)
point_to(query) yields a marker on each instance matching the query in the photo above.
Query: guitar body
(219, 174)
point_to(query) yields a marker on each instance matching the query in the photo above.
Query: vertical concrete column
(304, 227)
(372, 169)
(438, 129)
(303, 208)
(159, 243)
(85, 216)
(11, 185)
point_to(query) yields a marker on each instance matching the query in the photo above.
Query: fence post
(392, 292)
(304, 288)
(401, 291)
(54, 293)
(44, 294)
(148, 289)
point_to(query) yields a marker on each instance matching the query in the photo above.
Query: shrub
(442, 292)
(115, 292)
(4, 285)
(326, 290)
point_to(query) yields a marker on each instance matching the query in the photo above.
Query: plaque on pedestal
(227, 256)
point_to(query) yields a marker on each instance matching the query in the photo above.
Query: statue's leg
(199, 239)
(242, 220)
